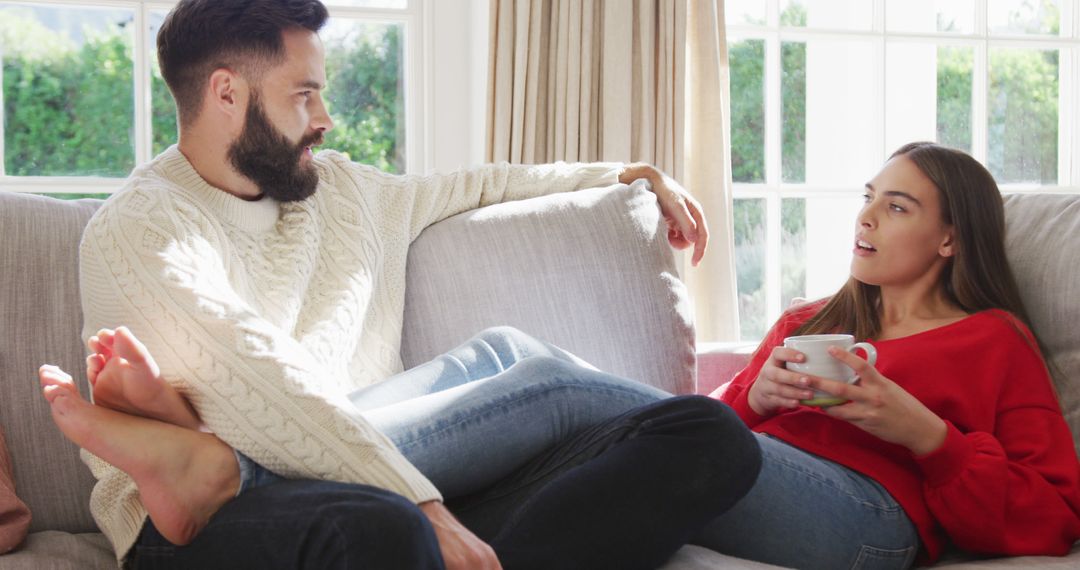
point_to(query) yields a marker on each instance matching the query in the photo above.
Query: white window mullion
(980, 89)
(141, 60)
(419, 100)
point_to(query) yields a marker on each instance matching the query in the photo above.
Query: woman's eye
(867, 197)
(897, 208)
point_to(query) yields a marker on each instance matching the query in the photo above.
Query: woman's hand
(776, 387)
(882, 408)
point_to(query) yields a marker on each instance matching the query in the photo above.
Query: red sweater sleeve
(735, 393)
(1016, 490)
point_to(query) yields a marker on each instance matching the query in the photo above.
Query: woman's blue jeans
(553, 463)
(808, 512)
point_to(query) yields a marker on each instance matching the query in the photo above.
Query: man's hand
(686, 224)
(461, 549)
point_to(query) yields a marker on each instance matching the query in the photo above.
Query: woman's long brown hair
(977, 276)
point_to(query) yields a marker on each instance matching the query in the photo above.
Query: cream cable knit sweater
(265, 315)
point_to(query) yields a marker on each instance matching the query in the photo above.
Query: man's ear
(227, 93)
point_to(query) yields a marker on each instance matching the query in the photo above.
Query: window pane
(829, 103)
(68, 95)
(829, 238)
(162, 105)
(1024, 16)
(955, 73)
(747, 59)
(749, 217)
(832, 14)
(928, 94)
(744, 12)
(364, 67)
(792, 250)
(1023, 115)
(930, 16)
(793, 112)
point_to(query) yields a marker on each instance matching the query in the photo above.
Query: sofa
(590, 271)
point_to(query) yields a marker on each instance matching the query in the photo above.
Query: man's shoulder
(147, 195)
(339, 171)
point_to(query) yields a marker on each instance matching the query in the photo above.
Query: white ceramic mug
(820, 363)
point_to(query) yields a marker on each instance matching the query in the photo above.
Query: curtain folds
(628, 81)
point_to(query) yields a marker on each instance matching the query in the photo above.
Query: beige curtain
(623, 80)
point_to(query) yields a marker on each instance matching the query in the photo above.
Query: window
(822, 91)
(83, 100)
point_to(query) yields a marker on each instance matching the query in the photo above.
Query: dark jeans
(626, 493)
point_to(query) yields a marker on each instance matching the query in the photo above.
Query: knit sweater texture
(265, 315)
(1006, 480)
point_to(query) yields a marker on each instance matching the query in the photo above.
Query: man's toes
(49, 374)
(59, 395)
(126, 345)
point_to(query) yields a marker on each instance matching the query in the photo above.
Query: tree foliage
(69, 108)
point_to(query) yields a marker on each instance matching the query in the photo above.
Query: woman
(955, 435)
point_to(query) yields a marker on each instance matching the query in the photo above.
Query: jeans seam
(885, 509)
(866, 551)
(524, 398)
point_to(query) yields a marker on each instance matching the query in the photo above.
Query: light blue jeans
(805, 511)
(471, 416)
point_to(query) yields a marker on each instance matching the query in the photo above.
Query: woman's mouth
(863, 247)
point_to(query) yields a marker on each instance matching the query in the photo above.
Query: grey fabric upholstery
(40, 320)
(589, 271)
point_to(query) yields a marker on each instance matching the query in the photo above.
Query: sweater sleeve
(1014, 490)
(736, 392)
(436, 197)
(151, 262)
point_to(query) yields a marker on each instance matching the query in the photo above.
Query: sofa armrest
(719, 362)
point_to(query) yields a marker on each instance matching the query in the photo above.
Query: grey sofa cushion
(1041, 243)
(616, 303)
(40, 319)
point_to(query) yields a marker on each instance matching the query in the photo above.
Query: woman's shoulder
(800, 312)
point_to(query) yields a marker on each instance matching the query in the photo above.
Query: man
(267, 284)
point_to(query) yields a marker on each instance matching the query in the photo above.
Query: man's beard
(270, 160)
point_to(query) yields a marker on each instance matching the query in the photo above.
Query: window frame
(773, 190)
(416, 82)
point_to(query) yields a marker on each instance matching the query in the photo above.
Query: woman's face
(900, 237)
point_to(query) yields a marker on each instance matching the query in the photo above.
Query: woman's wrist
(932, 438)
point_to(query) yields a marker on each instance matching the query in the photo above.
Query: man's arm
(437, 197)
(252, 384)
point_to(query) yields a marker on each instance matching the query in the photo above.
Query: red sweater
(1006, 481)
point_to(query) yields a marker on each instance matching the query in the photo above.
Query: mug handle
(871, 352)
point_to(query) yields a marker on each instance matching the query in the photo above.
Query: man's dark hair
(200, 36)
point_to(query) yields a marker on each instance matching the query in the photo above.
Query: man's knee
(724, 438)
(507, 338)
(380, 527)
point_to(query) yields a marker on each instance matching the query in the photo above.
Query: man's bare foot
(125, 378)
(184, 476)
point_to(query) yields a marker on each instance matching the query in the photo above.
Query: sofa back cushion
(589, 271)
(1043, 246)
(40, 322)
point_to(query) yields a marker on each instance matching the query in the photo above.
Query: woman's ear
(947, 249)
